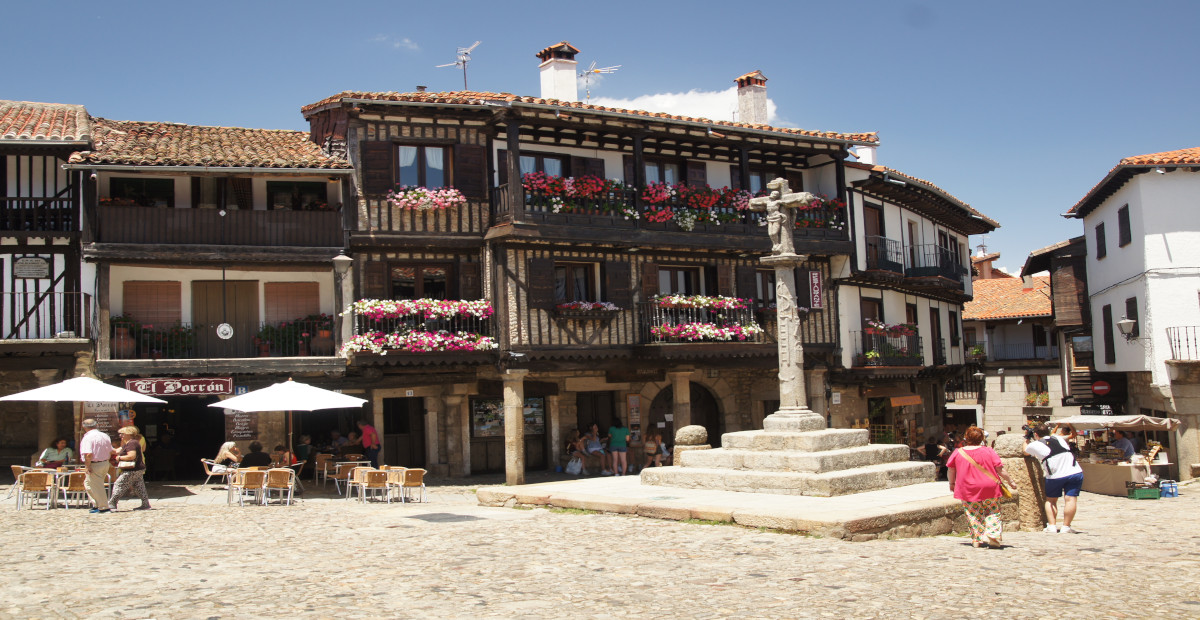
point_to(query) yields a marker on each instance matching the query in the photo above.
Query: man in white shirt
(1064, 476)
(94, 449)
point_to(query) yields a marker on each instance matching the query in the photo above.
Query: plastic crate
(1143, 493)
(1168, 488)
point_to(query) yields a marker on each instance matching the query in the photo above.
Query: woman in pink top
(979, 491)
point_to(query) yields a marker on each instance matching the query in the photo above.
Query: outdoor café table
(357, 463)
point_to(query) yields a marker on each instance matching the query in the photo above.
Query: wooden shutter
(1131, 313)
(649, 280)
(195, 192)
(243, 194)
(630, 173)
(287, 301)
(502, 165)
(591, 166)
(725, 284)
(470, 170)
(747, 282)
(375, 284)
(617, 283)
(541, 283)
(469, 284)
(735, 176)
(378, 167)
(1110, 346)
(153, 303)
(697, 173)
(795, 180)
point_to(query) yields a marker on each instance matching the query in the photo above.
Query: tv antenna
(587, 76)
(464, 57)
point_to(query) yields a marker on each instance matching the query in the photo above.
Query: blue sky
(1016, 107)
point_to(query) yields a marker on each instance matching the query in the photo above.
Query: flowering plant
(418, 342)
(658, 193)
(737, 199)
(700, 301)
(660, 215)
(879, 328)
(318, 322)
(588, 305)
(686, 219)
(379, 309)
(706, 331)
(542, 183)
(425, 199)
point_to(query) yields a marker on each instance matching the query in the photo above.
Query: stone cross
(780, 207)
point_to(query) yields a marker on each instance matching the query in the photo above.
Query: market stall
(1105, 469)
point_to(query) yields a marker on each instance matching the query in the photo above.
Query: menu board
(487, 417)
(240, 425)
(106, 416)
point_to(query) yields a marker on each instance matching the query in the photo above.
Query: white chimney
(752, 98)
(558, 72)
(866, 154)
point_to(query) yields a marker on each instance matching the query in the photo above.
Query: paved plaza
(195, 557)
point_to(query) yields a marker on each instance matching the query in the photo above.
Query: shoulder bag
(1004, 490)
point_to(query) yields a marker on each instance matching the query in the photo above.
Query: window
(871, 309)
(221, 193)
(288, 301)
(152, 303)
(424, 166)
(420, 281)
(910, 314)
(1035, 384)
(549, 164)
(680, 281)
(1081, 352)
(575, 282)
(297, 195)
(953, 328)
(1131, 313)
(1101, 251)
(1124, 234)
(660, 171)
(1110, 350)
(1040, 337)
(144, 192)
(764, 287)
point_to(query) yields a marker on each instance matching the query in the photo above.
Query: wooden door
(705, 412)
(935, 337)
(594, 408)
(234, 302)
(403, 432)
(872, 230)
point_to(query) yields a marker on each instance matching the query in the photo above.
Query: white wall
(258, 186)
(894, 311)
(120, 274)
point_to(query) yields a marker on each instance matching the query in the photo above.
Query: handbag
(126, 464)
(1004, 490)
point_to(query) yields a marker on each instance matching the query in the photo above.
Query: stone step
(829, 484)
(793, 460)
(810, 441)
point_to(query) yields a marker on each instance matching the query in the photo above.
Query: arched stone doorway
(705, 412)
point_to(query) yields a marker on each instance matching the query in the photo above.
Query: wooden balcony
(33, 215)
(883, 350)
(162, 226)
(44, 320)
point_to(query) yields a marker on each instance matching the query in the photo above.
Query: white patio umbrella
(83, 389)
(290, 396)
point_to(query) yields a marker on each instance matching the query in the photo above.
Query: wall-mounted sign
(1100, 409)
(106, 415)
(816, 294)
(1101, 388)
(181, 387)
(31, 267)
(240, 425)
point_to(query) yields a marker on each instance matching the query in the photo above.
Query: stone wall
(1005, 408)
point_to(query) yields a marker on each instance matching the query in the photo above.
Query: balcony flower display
(425, 199)
(1037, 399)
(701, 301)
(582, 193)
(879, 328)
(706, 331)
(379, 309)
(418, 342)
(588, 306)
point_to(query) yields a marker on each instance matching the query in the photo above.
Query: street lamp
(1128, 328)
(341, 265)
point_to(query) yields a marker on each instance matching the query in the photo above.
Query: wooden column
(681, 392)
(514, 426)
(433, 414)
(103, 301)
(556, 442)
(516, 193)
(839, 170)
(639, 170)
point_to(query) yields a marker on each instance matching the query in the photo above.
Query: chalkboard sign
(241, 425)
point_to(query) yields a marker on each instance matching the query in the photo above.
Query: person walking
(132, 479)
(1064, 476)
(618, 445)
(94, 449)
(974, 471)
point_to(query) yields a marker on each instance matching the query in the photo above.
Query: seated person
(256, 458)
(58, 454)
(1124, 444)
(228, 456)
(352, 445)
(592, 446)
(280, 457)
(336, 441)
(574, 450)
(304, 450)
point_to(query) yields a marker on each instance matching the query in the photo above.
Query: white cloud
(717, 105)
(404, 43)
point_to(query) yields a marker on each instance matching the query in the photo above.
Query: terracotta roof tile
(485, 98)
(980, 259)
(44, 122)
(1007, 298)
(138, 143)
(1181, 157)
(561, 46)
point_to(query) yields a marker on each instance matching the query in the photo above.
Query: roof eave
(237, 169)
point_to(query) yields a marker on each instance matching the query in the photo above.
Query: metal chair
(250, 482)
(210, 469)
(17, 470)
(283, 480)
(413, 479)
(75, 486)
(357, 475)
(395, 481)
(31, 484)
(322, 465)
(342, 475)
(374, 480)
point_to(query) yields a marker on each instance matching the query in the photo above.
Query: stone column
(47, 416)
(456, 434)
(554, 422)
(514, 426)
(681, 393)
(1030, 494)
(433, 411)
(794, 414)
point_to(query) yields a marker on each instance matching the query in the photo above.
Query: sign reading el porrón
(181, 387)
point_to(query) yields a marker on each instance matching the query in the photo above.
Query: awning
(898, 397)
(1119, 422)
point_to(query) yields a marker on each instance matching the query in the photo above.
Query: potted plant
(977, 352)
(872, 357)
(1043, 399)
(263, 339)
(124, 344)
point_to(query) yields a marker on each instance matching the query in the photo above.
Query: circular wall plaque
(224, 331)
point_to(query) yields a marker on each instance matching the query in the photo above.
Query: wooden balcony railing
(134, 340)
(158, 225)
(658, 325)
(1184, 342)
(883, 350)
(37, 215)
(28, 316)
(1023, 351)
(884, 254)
(932, 260)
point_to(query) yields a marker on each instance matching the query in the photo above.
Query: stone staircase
(821, 463)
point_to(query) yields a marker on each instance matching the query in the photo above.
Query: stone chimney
(558, 71)
(752, 98)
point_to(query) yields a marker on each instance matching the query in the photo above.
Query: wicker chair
(210, 467)
(342, 475)
(413, 479)
(17, 470)
(31, 484)
(395, 480)
(74, 485)
(250, 482)
(358, 475)
(283, 480)
(322, 466)
(374, 480)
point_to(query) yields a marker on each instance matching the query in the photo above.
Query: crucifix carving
(780, 207)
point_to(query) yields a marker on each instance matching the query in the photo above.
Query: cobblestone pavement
(195, 557)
